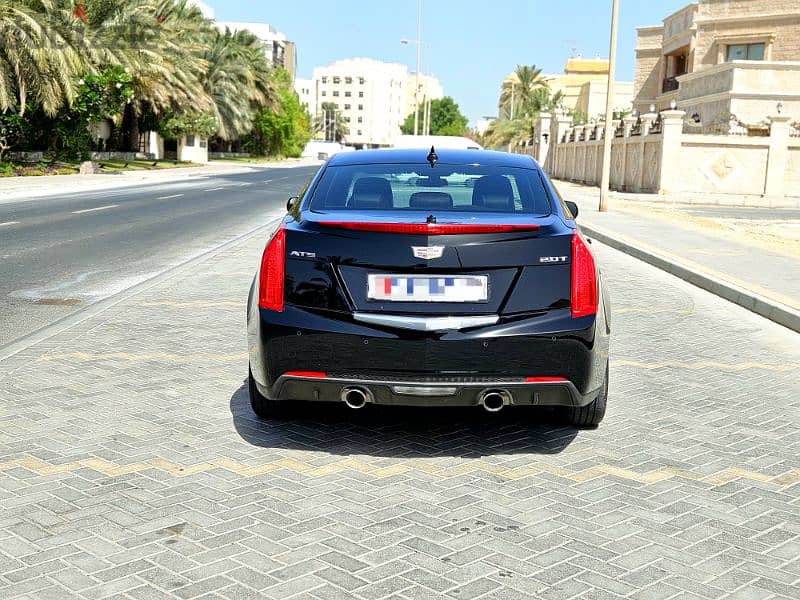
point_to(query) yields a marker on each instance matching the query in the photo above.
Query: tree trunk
(133, 128)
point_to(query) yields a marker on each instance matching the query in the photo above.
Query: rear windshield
(411, 187)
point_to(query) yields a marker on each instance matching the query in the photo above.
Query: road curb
(761, 305)
(73, 319)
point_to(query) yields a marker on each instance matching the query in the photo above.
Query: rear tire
(264, 407)
(592, 414)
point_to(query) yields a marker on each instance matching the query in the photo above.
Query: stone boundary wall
(652, 154)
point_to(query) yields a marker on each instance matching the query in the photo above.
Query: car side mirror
(573, 208)
(291, 203)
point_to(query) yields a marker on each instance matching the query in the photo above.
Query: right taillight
(583, 290)
(270, 285)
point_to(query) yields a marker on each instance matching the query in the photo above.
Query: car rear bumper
(426, 391)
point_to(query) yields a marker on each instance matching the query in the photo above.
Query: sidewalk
(751, 257)
(12, 188)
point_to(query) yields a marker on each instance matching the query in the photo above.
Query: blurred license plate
(428, 288)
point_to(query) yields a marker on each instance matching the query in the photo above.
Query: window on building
(745, 52)
(348, 80)
(336, 93)
(324, 80)
(336, 79)
(324, 93)
(360, 94)
(347, 119)
(347, 107)
(347, 94)
(359, 132)
(360, 119)
(360, 107)
(361, 81)
(190, 140)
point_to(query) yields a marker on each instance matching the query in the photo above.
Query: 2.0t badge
(427, 252)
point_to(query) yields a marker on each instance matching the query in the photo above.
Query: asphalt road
(60, 254)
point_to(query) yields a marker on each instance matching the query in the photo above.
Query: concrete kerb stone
(765, 307)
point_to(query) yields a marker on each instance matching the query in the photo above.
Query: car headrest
(430, 200)
(371, 192)
(493, 192)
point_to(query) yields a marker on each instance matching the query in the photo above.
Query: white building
(306, 91)
(429, 88)
(280, 51)
(370, 95)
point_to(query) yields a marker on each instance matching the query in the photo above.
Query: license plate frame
(455, 289)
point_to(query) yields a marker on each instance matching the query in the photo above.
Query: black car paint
(317, 332)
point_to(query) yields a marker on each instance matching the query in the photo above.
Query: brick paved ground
(131, 466)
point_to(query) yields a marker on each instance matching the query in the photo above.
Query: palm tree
(160, 42)
(519, 89)
(40, 56)
(238, 81)
(519, 130)
(330, 122)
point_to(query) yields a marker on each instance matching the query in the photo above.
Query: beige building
(584, 84)
(717, 58)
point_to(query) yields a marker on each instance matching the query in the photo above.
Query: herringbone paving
(132, 467)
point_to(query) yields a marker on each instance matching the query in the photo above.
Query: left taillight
(583, 296)
(270, 285)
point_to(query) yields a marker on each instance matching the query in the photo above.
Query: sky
(470, 45)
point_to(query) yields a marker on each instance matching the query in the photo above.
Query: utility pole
(608, 135)
(419, 50)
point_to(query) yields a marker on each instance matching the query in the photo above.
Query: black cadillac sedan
(429, 278)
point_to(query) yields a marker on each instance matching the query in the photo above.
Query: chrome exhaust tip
(355, 397)
(494, 400)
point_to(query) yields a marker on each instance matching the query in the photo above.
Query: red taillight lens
(544, 379)
(583, 295)
(306, 374)
(432, 228)
(270, 288)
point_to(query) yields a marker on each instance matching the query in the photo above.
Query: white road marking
(244, 184)
(9, 223)
(214, 189)
(169, 197)
(268, 181)
(88, 210)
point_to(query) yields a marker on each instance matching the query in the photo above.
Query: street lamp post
(419, 51)
(608, 131)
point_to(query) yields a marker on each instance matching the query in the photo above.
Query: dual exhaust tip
(492, 400)
(356, 397)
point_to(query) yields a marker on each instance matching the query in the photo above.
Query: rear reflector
(430, 228)
(583, 291)
(544, 380)
(306, 374)
(270, 285)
